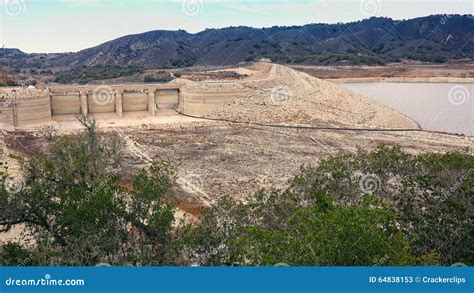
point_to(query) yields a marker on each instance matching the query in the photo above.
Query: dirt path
(187, 184)
(233, 159)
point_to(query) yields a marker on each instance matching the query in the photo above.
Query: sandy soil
(239, 70)
(7, 95)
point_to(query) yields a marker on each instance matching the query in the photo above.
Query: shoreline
(409, 73)
(401, 80)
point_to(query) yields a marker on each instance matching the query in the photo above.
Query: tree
(324, 234)
(279, 227)
(385, 207)
(77, 209)
(431, 193)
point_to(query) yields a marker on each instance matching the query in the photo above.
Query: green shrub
(99, 72)
(385, 207)
(7, 81)
(78, 211)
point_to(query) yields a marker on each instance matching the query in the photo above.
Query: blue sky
(72, 25)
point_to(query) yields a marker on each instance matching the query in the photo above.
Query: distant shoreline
(403, 80)
(410, 73)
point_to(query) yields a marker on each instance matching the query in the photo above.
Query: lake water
(446, 107)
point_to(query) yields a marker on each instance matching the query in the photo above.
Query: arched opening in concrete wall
(167, 98)
(103, 102)
(65, 104)
(134, 101)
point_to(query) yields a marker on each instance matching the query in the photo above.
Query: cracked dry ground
(236, 159)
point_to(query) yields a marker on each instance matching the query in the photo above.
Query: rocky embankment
(288, 96)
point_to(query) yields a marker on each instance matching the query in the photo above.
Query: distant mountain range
(434, 39)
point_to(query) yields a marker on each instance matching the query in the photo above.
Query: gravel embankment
(289, 96)
(8, 94)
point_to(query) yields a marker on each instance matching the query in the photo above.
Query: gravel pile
(8, 94)
(292, 97)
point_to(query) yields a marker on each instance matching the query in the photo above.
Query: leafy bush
(12, 254)
(7, 81)
(385, 207)
(426, 57)
(99, 72)
(161, 76)
(79, 213)
(431, 193)
(327, 234)
(418, 213)
(277, 227)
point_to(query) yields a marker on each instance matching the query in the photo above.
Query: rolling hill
(432, 39)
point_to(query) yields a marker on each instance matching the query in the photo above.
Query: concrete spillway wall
(35, 110)
(135, 101)
(63, 103)
(97, 105)
(203, 99)
(46, 106)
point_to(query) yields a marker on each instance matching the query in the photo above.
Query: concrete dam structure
(62, 103)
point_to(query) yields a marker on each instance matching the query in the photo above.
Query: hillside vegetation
(385, 207)
(99, 72)
(374, 41)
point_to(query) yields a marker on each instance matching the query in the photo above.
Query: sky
(46, 26)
